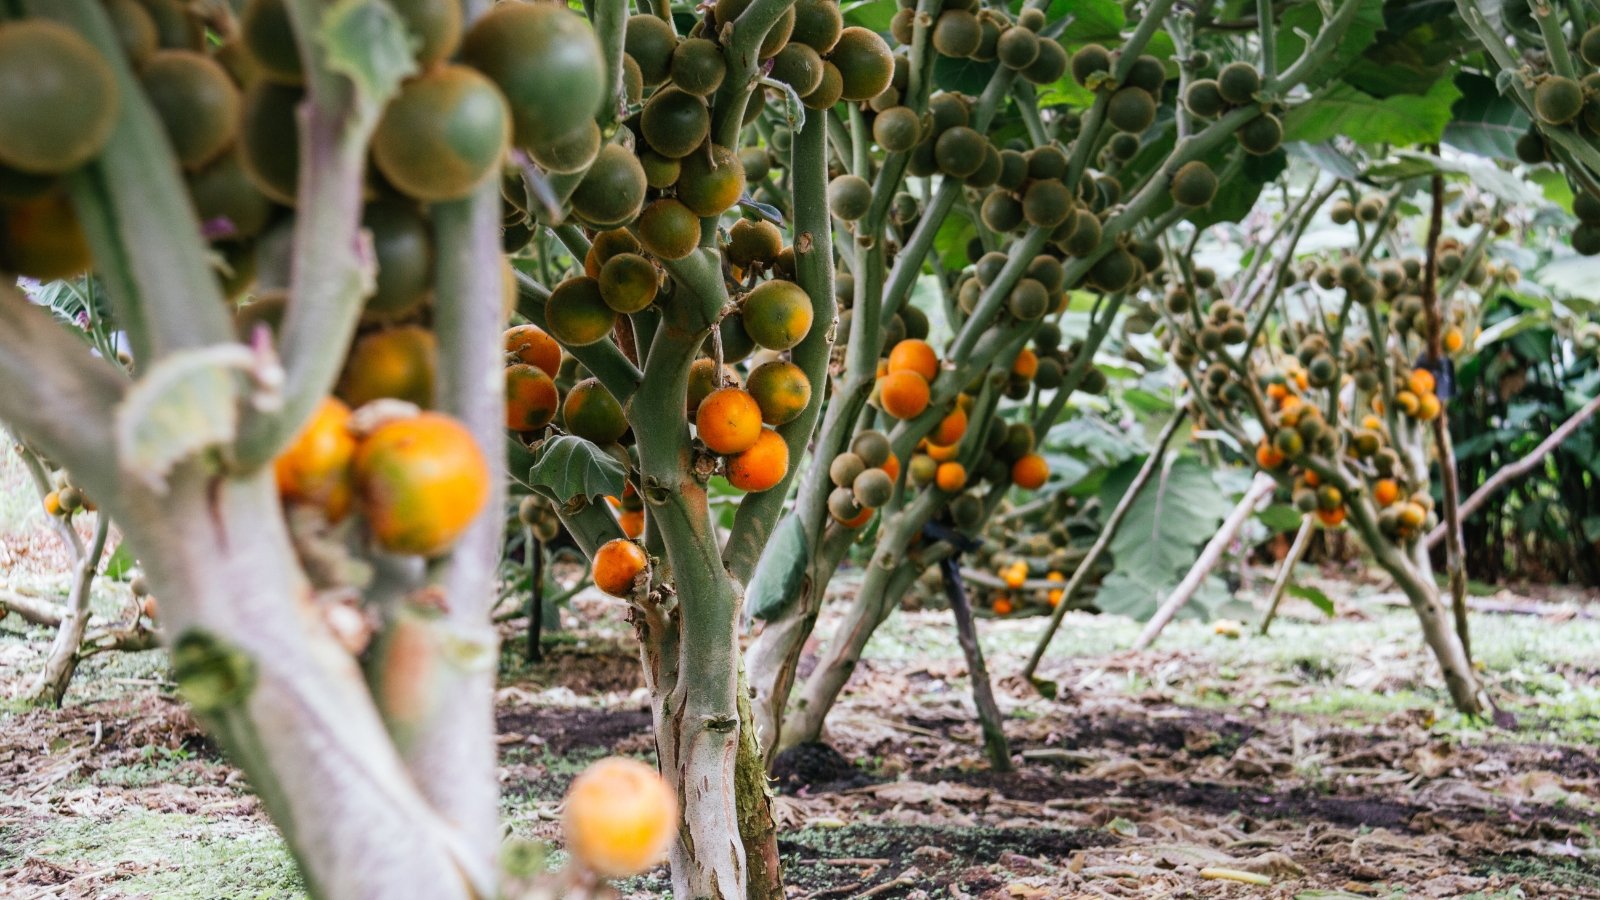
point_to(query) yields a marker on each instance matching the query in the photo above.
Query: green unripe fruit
(988, 267)
(1049, 375)
(698, 66)
(896, 129)
(1238, 83)
(1123, 146)
(1085, 235)
(1047, 203)
(828, 91)
(1115, 271)
(798, 66)
(1001, 212)
(845, 468)
(872, 447)
(1046, 162)
(1558, 100)
(873, 488)
(1147, 73)
(959, 151)
(1194, 184)
(1235, 332)
(817, 24)
(1131, 109)
(1047, 270)
(1029, 300)
(1204, 98)
(1369, 209)
(864, 62)
(1531, 148)
(957, 33)
(1589, 46)
(1179, 301)
(1092, 59)
(849, 197)
(1341, 212)
(1017, 48)
(1288, 442)
(1049, 65)
(966, 511)
(842, 504)
(1305, 501)
(675, 122)
(1261, 135)
(1209, 338)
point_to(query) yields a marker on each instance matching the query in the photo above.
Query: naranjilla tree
(1078, 208)
(354, 266)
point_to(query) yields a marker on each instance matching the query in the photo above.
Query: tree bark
(1302, 540)
(287, 700)
(62, 660)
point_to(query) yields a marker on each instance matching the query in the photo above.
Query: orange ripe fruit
(315, 468)
(398, 363)
(1386, 491)
(1428, 407)
(1407, 401)
(1002, 606)
(728, 421)
(620, 817)
(1454, 340)
(1311, 478)
(941, 452)
(912, 355)
(531, 398)
(631, 521)
(951, 476)
(1026, 364)
(951, 428)
(762, 466)
(1421, 382)
(420, 482)
(1030, 472)
(1268, 457)
(1331, 517)
(530, 344)
(1277, 391)
(861, 519)
(904, 395)
(52, 503)
(891, 467)
(1301, 379)
(617, 565)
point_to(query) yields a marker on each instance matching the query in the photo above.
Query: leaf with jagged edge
(184, 405)
(569, 466)
(367, 42)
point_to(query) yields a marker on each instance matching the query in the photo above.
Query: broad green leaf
(966, 76)
(367, 42)
(1305, 20)
(120, 565)
(1326, 156)
(570, 466)
(186, 404)
(1483, 173)
(1281, 517)
(775, 583)
(1176, 513)
(1483, 121)
(1347, 111)
(1090, 21)
(1091, 438)
(871, 14)
(1238, 193)
(1312, 595)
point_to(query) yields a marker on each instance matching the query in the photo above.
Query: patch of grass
(173, 856)
(1565, 872)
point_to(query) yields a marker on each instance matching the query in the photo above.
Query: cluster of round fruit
(963, 31)
(1236, 85)
(418, 479)
(864, 477)
(1560, 102)
(1040, 291)
(65, 498)
(1416, 397)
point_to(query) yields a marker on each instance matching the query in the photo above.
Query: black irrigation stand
(989, 718)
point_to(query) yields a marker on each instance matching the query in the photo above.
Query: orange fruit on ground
(617, 565)
(913, 355)
(631, 521)
(904, 395)
(398, 363)
(1421, 381)
(620, 817)
(1268, 457)
(1386, 491)
(762, 466)
(315, 469)
(952, 476)
(950, 428)
(592, 413)
(1331, 517)
(420, 482)
(728, 421)
(530, 344)
(1026, 363)
(531, 398)
(781, 390)
(1030, 472)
